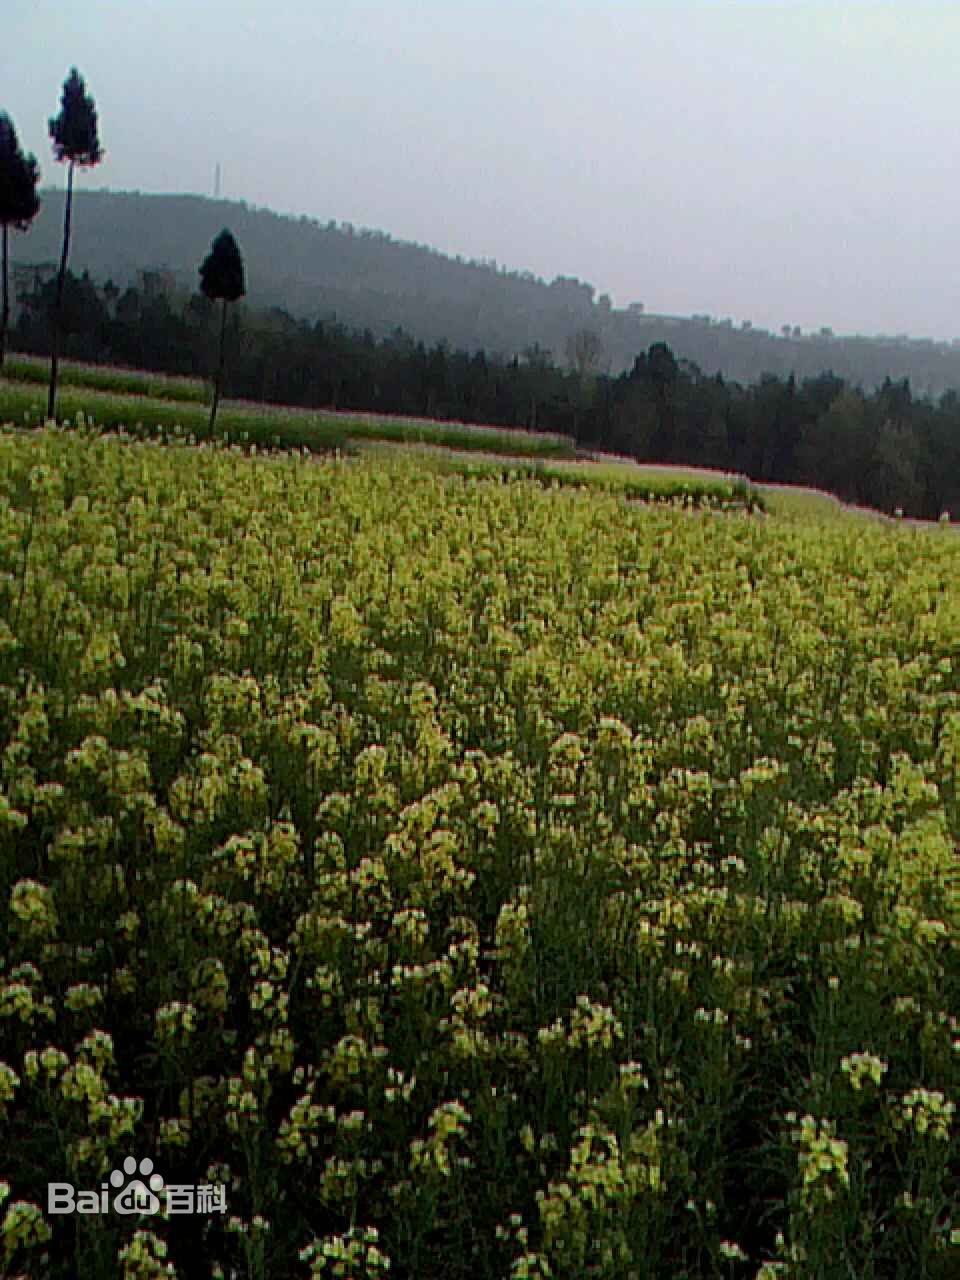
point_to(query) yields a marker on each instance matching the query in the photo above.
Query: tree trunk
(58, 305)
(5, 309)
(218, 381)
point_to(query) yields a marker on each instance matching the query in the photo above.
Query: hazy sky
(778, 162)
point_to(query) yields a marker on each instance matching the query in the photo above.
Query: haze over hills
(367, 280)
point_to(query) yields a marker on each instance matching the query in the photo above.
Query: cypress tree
(18, 206)
(75, 142)
(221, 278)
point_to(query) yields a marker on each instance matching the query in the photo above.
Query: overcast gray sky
(784, 162)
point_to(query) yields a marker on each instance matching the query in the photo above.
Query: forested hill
(369, 281)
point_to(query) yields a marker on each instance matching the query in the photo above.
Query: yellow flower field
(458, 878)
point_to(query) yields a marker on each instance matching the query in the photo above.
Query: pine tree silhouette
(221, 278)
(18, 206)
(75, 142)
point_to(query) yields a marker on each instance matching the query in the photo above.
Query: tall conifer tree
(221, 278)
(75, 142)
(18, 206)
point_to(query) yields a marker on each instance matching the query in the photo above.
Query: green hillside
(366, 279)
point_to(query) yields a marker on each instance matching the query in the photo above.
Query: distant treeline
(886, 449)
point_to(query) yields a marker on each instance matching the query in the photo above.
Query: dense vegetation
(887, 449)
(495, 882)
(366, 280)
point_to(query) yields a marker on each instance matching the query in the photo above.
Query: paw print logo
(139, 1195)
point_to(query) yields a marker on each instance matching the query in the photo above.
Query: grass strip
(34, 371)
(627, 480)
(267, 426)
